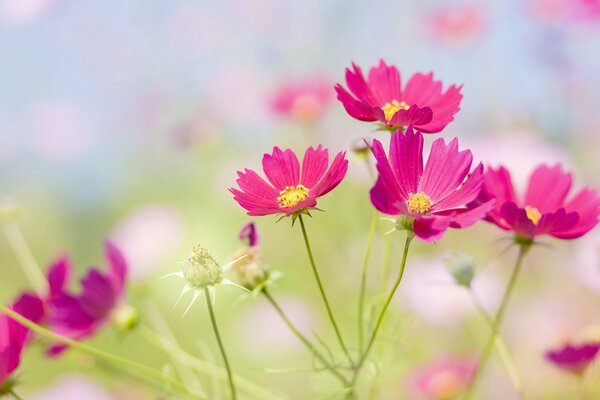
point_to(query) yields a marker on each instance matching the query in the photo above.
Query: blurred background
(128, 120)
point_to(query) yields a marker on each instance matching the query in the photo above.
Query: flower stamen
(292, 195)
(389, 109)
(419, 203)
(533, 214)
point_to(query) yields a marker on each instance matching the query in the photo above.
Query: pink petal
(406, 158)
(431, 228)
(117, 267)
(255, 206)
(464, 218)
(333, 176)
(314, 166)
(443, 110)
(587, 205)
(445, 170)
(548, 188)
(282, 168)
(252, 184)
(98, 296)
(385, 200)
(59, 275)
(358, 86)
(415, 115)
(466, 193)
(422, 90)
(516, 219)
(356, 108)
(558, 221)
(386, 174)
(384, 83)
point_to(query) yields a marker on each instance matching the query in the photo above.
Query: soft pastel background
(128, 120)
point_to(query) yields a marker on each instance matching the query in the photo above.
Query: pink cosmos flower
(444, 378)
(457, 24)
(574, 359)
(13, 336)
(544, 210)
(436, 197)
(81, 315)
(290, 190)
(420, 103)
(304, 100)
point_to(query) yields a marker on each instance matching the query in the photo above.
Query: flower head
(14, 336)
(303, 101)
(248, 266)
(421, 103)
(572, 358)
(433, 198)
(444, 378)
(290, 190)
(102, 299)
(544, 210)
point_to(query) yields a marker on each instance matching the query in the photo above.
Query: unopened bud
(125, 317)
(462, 270)
(250, 270)
(201, 269)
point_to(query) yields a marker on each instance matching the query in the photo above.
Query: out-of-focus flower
(457, 24)
(73, 387)
(13, 337)
(443, 378)
(435, 198)
(574, 358)
(147, 236)
(544, 209)
(291, 191)
(101, 301)
(249, 268)
(22, 12)
(420, 103)
(561, 11)
(303, 101)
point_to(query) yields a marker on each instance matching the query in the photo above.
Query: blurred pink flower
(61, 131)
(444, 378)
(434, 197)
(147, 236)
(421, 103)
(303, 100)
(291, 190)
(564, 11)
(21, 12)
(457, 24)
(574, 358)
(544, 209)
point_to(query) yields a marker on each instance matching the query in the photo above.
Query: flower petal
(358, 86)
(314, 166)
(334, 175)
(547, 189)
(431, 228)
(117, 267)
(466, 193)
(358, 109)
(281, 168)
(415, 115)
(384, 82)
(406, 158)
(516, 219)
(59, 275)
(587, 205)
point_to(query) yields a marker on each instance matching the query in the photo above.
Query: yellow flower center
(389, 109)
(292, 195)
(419, 203)
(533, 214)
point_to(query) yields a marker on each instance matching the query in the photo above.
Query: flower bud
(462, 270)
(361, 149)
(201, 269)
(250, 270)
(125, 317)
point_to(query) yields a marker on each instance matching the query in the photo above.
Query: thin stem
(221, 347)
(323, 295)
(302, 338)
(124, 363)
(502, 349)
(30, 267)
(205, 368)
(523, 249)
(363, 282)
(409, 238)
(15, 395)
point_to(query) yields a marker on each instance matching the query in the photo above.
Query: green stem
(363, 282)
(409, 238)
(124, 363)
(221, 347)
(323, 295)
(502, 349)
(303, 339)
(485, 354)
(30, 267)
(15, 395)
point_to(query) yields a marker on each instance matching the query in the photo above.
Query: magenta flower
(574, 359)
(290, 190)
(436, 197)
(444, 378)
(544, 210)
(14, 336)
(249, 234)
(421, 103)
(102, 299)
(304, 101)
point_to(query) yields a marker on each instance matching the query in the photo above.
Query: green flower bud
(462, 270)
(201, 269)
(125, 317)
(250, 270)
